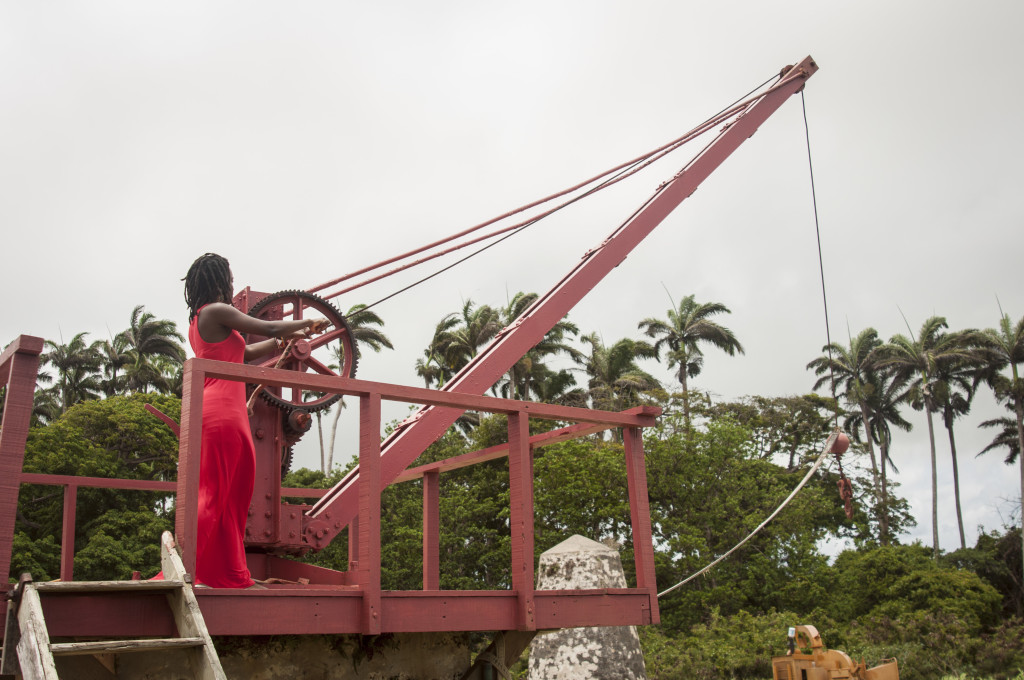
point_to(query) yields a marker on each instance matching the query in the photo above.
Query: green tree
(851, 368)
(688, 327)
(614, 381)
(531, 376)
(954, 392)
(76, 365)
(436, 365)
(887, 392)
(794, 427)
(921, 360)
(114, 357)
(707, 493)
(114, 438)
(476, 327)
(146, 338)
(1003, 349)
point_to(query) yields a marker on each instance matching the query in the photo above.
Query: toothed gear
(272, 307)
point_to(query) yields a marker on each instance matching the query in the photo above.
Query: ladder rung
(105, 586)
(122, 646)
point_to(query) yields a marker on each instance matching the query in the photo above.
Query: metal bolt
(268, 514)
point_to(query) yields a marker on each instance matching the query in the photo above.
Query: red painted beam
(324, 611)
(501, 450)
(19, 366)
(369, 512)
(279, 377)
(431, 531)
(67, 541)
(640, 516)
(520, 473)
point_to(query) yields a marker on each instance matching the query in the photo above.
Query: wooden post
(431, 531)
(186, 517)
(19, 365)
(67, 541)
(520, 473)
(640, 516)
(369, 510)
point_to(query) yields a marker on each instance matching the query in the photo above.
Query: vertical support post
(19, 365)
(431, 531)
(640, 516)
(67, 541)
(520, 473)
(186, 516)
(353, 545)
(369, 510)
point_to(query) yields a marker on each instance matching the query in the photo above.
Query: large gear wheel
(332, 353)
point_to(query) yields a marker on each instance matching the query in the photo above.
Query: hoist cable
(821, 265)
(836, 431)
(814, 468)
(624, 171)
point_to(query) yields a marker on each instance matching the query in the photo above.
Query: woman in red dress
(228, 462)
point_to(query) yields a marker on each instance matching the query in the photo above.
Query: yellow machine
(824, 664)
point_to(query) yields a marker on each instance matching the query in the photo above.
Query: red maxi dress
(227, 469)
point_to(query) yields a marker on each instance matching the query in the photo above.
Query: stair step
(122, 646)
(105, 586)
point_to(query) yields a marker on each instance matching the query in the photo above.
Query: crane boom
(405, 444)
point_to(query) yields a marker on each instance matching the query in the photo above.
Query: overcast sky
(306, 140)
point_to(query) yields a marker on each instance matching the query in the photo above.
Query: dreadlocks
(208, 280)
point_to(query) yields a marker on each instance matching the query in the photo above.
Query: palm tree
(688, 327)
(365, 327)
(435, 368)
(1006, 438)
(954, 392)
(521, 380)
(850, 368)
(146, 338)
(615, 382)
(114, 356)
(921, 361)
(76, 365)
(1003, 348)
(476, 328)
(885, 394)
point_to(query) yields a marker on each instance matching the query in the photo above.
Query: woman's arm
(217, 320)
(258, 349)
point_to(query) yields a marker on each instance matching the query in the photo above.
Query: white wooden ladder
(28, 652)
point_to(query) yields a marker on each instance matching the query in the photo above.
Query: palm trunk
(879, 511)
(320, 436)
(334, 434)
(1019, 408)
(883, 516)
(935, 482)
(686, 402)
(948, 421)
